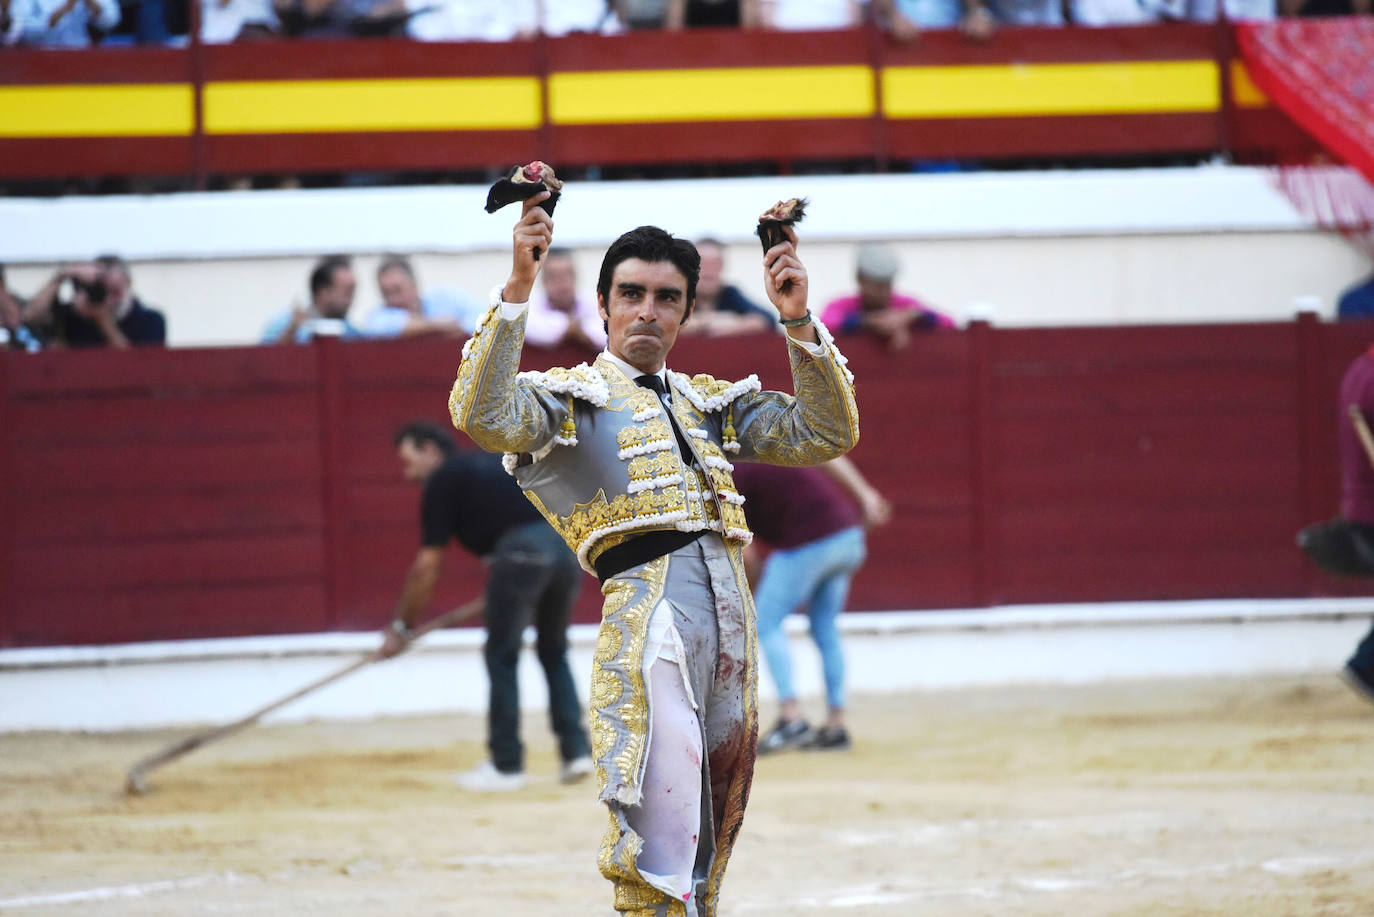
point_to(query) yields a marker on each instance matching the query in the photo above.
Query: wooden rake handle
(135, 783)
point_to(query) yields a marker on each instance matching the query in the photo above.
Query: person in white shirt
(561, 318)
(59, 23)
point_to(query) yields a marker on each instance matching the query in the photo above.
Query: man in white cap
(876, 309)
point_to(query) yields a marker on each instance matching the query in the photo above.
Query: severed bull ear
(772, 220)
(523, 183)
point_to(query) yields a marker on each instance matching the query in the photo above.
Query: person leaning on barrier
(562, 317)
(722, 309)
(405, 312)
(332, 285)
(101, 311)
(14, 334)
(877, 309)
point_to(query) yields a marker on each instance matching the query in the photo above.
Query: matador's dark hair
(649, 243)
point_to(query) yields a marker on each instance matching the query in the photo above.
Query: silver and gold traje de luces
(597, 455)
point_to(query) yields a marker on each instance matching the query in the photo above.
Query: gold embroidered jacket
(597, 455)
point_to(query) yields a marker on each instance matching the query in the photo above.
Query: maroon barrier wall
(197, 493)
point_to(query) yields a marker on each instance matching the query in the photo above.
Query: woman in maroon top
(813, 519)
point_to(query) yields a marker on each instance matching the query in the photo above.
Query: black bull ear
(507, 191)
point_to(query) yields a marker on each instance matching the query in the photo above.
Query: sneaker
(829, 738)
(1362, 684)
(576, 769)
(786, 734)
(485, 778)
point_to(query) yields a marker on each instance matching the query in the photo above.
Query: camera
(95, 290)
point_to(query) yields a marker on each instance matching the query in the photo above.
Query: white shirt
(545, 325)
(30, 23)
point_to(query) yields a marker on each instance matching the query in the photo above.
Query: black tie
(651, 381)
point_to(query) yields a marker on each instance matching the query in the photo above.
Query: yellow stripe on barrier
(152, 110)
(307, 106)
(1244, 92)
(1029, 90)
(734, 94)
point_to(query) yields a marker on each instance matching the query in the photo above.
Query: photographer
(101, 310)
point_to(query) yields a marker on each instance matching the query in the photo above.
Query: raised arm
(822, 420)
(488, 403)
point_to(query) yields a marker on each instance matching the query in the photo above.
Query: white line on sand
(137, 890)
(893, 892)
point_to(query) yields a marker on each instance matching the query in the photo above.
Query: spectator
(468, 497)
(59, 23)
(14, 334)
(721, 308)
(814, 519)
(1325, 7)
(331, 294)
(1236, 10)
(561, 318)
(717, 13)
(472, 20)
(1113, 12)
(878, 310)
(801, 15)
(341, 18)
(906, 18)
(1026, 12)
(1357, 301)
(569, 16)
(223, 21)
(641, 14)
(101, 312)
(406, 313)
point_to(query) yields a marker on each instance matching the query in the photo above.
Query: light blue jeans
(817, 575)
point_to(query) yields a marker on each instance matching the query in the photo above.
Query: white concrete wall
(219, 681)
(1053, 248)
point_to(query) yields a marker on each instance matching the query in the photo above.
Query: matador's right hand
(533, 233)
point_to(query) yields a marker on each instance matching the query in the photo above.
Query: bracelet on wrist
(797, 322)
(400, 628)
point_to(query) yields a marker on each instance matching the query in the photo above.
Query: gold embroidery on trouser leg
(619, 721)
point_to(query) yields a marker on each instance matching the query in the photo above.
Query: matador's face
(647, 302)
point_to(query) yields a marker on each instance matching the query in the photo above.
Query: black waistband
(640, 550)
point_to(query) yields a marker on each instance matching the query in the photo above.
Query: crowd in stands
(80, 23)
(94, 305)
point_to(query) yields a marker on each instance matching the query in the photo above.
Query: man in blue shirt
(405, 312)
(721, 308)
(332, 285)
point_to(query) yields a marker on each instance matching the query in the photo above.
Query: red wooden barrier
(176, 494)
(695, 97)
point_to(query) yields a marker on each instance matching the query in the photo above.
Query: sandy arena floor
(1163, 799)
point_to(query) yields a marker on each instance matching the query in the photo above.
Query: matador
(631, 463)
